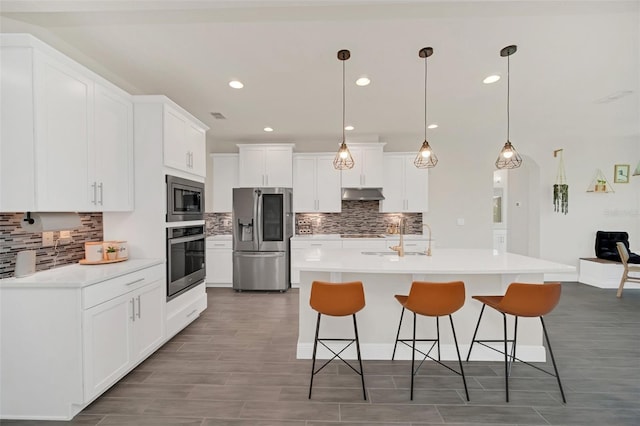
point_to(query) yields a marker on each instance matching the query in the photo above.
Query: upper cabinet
(184, 143)
(67, 134)
(367, 170)
(405, 186)
(265, 165)
(316, 184)
(225, 178)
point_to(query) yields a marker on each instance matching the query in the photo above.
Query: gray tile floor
(236, 366)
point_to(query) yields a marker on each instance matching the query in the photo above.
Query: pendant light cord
(508, 87)
(425, 98)
(343, 102)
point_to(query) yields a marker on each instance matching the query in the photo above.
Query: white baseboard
(572, 277)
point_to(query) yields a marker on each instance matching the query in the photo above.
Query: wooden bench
(602, 273)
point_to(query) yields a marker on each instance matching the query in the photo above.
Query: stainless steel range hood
(362, 194)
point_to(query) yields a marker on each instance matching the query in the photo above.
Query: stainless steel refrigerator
(262, 227)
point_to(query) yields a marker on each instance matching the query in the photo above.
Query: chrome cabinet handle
(136, 281)
(95, 193)
(187, 158)
(139, 307)
(191, 313)
(133, 311)
(100, 187)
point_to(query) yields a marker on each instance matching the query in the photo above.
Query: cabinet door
(225, 178)
(107, 343)
(220, 264)
(197, 150)
(176, 146)
(393, 184)
(304, 184)
(278, 167)
(112, 151)
(416, 187)
(251, 167)
(63, 120)
(371, 158)
(329, 194)
(148, 321)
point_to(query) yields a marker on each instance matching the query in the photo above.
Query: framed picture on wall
(621, 173)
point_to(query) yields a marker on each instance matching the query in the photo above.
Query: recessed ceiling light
(363, 81)
(236, 84)
(491, 79)
(268, 129)
(432, 126)
(348, 127)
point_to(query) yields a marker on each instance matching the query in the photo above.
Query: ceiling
(285, 54)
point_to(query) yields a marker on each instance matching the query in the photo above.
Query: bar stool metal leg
(393, 356)
(553, 360)
(475, 333)
(355, 328)
(455, 340)
(438, 335)
(315, 348)
(506, 357)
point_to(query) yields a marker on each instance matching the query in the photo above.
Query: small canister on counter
(93, 251)
(123, 249)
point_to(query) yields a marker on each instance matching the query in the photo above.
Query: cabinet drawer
(184, 309)
(315, 244)
(220, 244)
(107, 290)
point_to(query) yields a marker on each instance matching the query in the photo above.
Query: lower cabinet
(219, 263)
(67, 339)
(120, 333)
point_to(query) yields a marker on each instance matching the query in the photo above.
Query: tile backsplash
(357, 217)
(13, 238)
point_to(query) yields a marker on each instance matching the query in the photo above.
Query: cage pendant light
(343, 160)
(425, 159)
(508, 157)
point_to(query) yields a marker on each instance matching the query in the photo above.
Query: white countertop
(337, 237)
(443, 261)
(77, 276)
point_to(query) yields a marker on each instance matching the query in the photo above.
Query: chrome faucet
(428, 253)
(400, 247)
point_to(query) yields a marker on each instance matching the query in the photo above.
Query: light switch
(47, 239)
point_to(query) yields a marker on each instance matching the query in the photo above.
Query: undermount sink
(393, 253)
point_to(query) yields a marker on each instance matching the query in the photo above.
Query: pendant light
(508, 157)
(425, 159)
(343, 160)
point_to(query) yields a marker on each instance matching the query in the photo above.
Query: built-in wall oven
(185, 199)
(185, 259)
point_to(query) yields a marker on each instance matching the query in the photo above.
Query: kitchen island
(384, 274)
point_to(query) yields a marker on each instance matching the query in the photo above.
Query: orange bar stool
(521, 300)
(338, 300)
(432, 300)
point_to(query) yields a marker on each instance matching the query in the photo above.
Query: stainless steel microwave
(185, 199)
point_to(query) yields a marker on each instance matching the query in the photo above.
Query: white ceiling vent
(218, 116)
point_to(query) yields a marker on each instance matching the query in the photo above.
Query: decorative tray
(101, 262)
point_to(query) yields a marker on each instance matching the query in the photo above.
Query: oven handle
(186, 239)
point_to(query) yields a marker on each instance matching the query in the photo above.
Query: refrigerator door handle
(261, 254)
(257, 241)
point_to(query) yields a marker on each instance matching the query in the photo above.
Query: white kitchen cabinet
(111, 156)
(60, 356)
(219, 260)
(184, 143)
(298, 246)
(265, 165)
(225, 178)
(67, 133)
(316, 184)
(405, 187)
(367, 168)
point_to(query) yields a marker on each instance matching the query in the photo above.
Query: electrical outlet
(47, 239)
(65, 238)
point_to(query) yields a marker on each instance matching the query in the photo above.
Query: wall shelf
(599, 183)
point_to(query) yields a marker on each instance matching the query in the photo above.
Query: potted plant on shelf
(601, 185)
(112, 253)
